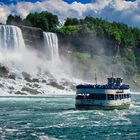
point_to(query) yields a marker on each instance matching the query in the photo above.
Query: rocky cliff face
(87, 43)
(33, 37)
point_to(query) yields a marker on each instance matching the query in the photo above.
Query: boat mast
(112, 75)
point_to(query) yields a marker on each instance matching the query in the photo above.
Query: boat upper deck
(113, 83)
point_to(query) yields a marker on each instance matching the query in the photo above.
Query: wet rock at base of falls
(4, 71)
(28, 84)
(26, 76)
(73, 87)
(20, 93)
(36, 85)
(11, 88)
(65, 82)
(69, 84)
(12, 76)
(1, 85)
(30, 90)
(35, 80)
(44, 81)
(49, 74)
(51, 81)
(28, 79)
(56, 85)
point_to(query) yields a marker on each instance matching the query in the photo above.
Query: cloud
(112, 10)
(4, 12)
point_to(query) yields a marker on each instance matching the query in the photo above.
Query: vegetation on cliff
(120, 42)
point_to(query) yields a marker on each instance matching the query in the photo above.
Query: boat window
(103, 96)
(116, 97)
(97, 96)
(125, 96)
(91, 96)
(120, 96)
(80, 97)
(110, 97)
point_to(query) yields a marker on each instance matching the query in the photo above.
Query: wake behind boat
(113, 95)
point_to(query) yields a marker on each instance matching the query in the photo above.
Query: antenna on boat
(112, 75)
(95, 77)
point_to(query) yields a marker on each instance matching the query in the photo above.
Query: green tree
(14, 20)
(37, 20)
(44, 20)
(71, 21)
(89, 19)
(69, 30)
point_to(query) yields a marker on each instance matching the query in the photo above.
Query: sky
(124, 11)
(69, 1)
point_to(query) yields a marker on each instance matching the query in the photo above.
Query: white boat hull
(96, 107)
(103, 104)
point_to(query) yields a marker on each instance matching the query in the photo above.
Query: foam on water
(47, 138)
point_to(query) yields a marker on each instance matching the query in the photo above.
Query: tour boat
(113, 95)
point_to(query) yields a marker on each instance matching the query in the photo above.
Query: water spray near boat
(113, 95)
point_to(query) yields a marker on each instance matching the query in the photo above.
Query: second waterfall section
(51, 45)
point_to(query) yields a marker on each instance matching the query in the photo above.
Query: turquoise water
(56, 118)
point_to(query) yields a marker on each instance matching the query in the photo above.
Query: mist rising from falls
(11, 38)
(51, 45)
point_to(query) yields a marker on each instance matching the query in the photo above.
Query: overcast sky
(112, 10)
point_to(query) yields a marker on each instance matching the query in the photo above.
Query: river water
(53, 118)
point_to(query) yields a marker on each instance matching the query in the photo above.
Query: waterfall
(51, 45)
(11, 37)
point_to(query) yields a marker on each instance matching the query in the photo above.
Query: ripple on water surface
(56, 118)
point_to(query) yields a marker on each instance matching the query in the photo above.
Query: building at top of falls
(11, 37)
(51, 45)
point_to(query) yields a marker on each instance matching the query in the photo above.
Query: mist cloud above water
(34, 63)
